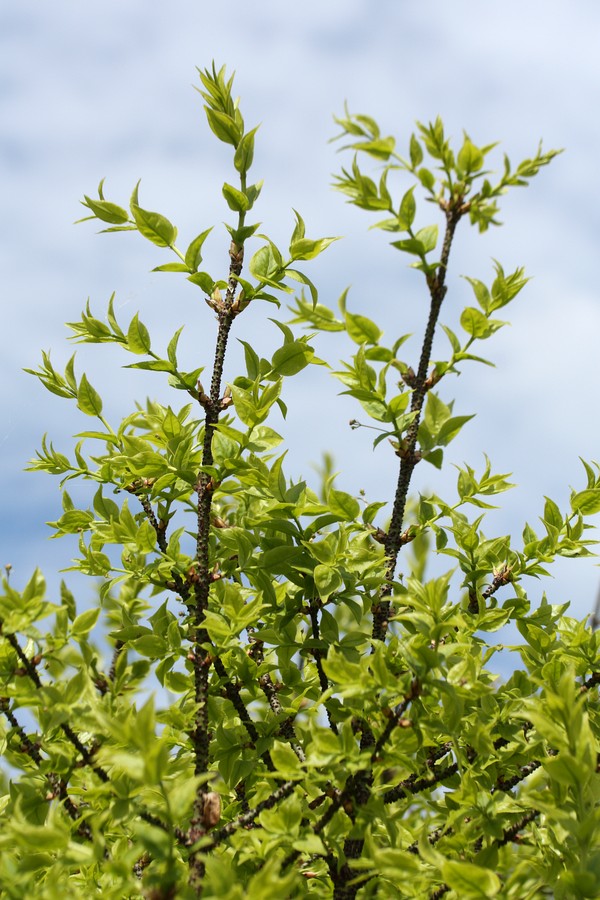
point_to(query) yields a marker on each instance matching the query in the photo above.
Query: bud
(211, 810)
(218, 522)
(379, 535)
(409, 377)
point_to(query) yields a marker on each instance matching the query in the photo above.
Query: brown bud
(218, 522)
(409, 377)
(192, 575)
(433, 379)
(211, 811)
(236, 253)
(409, 535)
(379, 535)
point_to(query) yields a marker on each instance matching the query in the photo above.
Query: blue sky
(103, 89)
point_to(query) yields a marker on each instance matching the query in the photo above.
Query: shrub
(290, 706)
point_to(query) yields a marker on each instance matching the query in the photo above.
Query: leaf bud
(236, 252)
(218, 522)
(433, 379)
(409, 535)
(409, 377)
(379, 535)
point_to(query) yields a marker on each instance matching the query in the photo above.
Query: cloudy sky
(104, 89)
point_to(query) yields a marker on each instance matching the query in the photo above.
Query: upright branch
(409, 456)
(213, 404)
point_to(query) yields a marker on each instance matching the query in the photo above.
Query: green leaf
(292, 358)
(265, 265)
(245, 405)
(327, 580)
(303, 248)
(362, 330)
(416, 152)
(204, 281)
(470, 881)
(470, 158)
(476, 324)
(151, 645)
(285, 761)
(343, 505)
(84, 623)
(299, 229)
(152, 225)
(450, 429)
(107, 212)
(223, 126)
(88, 400)
(244, 153)
(427, 179)
(408, 209)
(380, 148)
(138, 337)
(193, 254)
(153, 365)
(263, 438)
(236, 199)
(172, 348)
(428, 237)
(586, 502)
(481, 293)
(172, 267)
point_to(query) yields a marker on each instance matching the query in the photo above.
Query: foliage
(282, 713)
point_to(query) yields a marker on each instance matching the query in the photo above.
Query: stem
(318, 654)
(437, 291)
(201, 656)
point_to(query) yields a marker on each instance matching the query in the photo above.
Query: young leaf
(88, 400)
(152, 225)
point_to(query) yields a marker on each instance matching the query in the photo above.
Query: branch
(510, 835)
(233, 695)
(201, 658)
(286, 729)
(454, 210)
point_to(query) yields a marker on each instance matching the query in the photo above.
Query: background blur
(103, 88)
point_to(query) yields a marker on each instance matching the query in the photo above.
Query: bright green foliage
(292, 704)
